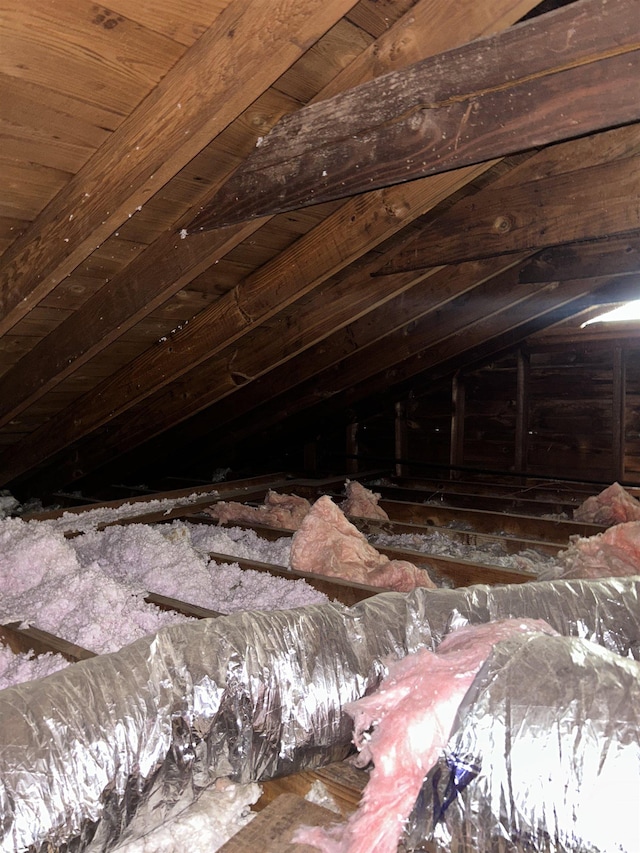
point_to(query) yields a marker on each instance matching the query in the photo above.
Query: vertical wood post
(522, 410)
(456, 454)
(401, 439)
(311, 457)
(352, 448)
(618, 414)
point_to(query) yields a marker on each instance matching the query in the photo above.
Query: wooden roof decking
(121, 125)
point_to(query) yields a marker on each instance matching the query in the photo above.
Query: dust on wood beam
(554, 77)
(244, 51)
(611, 256)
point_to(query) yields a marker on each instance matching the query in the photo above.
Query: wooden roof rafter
(300, 302)
(558, 76)
(382, 215)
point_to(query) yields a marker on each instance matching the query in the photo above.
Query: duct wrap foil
(105, 750)
(545, 756)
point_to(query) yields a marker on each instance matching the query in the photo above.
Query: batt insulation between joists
(108, 748)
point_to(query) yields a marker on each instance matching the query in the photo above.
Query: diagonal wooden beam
(245, 50)
(610, 256)
(361, 224)
(404, 300)
(586, 204)
(482, 338)
(170, 263)
(224, 322)
(555, 77)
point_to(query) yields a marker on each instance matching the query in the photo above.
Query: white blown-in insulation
(90, 589)
(17, 668)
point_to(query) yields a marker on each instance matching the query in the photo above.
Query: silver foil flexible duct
(107, 748)
(545, 756)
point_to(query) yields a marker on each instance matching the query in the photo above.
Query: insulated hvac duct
(108, 748)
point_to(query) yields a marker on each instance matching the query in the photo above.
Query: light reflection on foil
(121, 742)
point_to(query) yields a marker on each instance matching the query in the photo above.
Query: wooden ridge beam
(557, 76)
(244, 51)
(586, 204)
(170, 263)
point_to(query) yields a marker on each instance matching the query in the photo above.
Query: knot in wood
(502, 224)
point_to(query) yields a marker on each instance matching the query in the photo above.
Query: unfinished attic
(319, 447)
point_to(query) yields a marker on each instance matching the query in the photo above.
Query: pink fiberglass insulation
(286, 511)
(613, 553)
(361, 502)
(412, 714)
(612, 506)
(328, 544)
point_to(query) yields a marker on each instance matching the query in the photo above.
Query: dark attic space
(320, 426)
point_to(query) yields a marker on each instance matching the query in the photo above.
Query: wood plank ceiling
(166, 256)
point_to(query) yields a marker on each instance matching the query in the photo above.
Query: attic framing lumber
(292, 274)
(597, 202)
(246, 49)
(214, 331)
(170, 263)
(215, 378)
(328, 393)
(557, 76)
(610, 256)
(427, 345)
